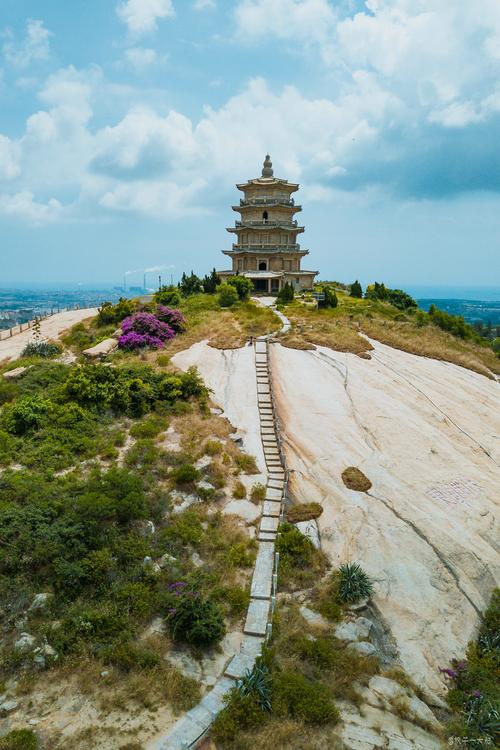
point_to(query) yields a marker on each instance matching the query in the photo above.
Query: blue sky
(124, 125)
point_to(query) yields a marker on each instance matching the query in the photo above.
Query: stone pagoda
(266, 248)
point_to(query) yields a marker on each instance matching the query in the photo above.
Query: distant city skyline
(126, 123)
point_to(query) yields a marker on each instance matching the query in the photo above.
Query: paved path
(194, 725)
(50, 328)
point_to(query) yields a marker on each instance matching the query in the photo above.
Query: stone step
(271, 508)
(276, 484)
(268, 523)
(263, 388)
(266, 536)
(264, 398)
(251, 648)
(257, 617)
(273, 495)
(263, 571)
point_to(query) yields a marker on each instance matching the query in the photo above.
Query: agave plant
(258, 681)
(480, 715)
(354, 583)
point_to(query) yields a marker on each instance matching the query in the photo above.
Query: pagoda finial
(268, 167)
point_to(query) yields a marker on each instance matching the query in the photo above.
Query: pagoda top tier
(267, 180)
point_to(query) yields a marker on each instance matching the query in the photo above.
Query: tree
(190, 284)
(330, 297)
(356, 290)
(285, 294)
(242, 285)
(210, 283)
(228, 295)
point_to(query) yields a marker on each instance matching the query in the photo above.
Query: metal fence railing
(7, 333)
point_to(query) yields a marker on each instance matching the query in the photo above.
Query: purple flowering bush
(193, 618)
(142, 330)
(174, 318)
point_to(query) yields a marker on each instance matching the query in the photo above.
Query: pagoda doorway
(260, 285)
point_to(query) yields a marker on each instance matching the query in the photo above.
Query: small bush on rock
(354, 583)
(45, 349)
(354, 479)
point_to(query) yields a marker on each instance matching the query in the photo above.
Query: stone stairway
(194, 725)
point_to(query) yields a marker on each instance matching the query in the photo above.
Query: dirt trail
(50, 328)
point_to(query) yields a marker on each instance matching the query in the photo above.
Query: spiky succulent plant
(354, 583)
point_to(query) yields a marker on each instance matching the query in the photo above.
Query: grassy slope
(109, 579)
(340, 329)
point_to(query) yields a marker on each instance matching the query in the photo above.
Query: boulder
(15, 373)
(196, 560)
(314, 618)
(354, 630)
(6, 707)
(25, 642)
(102, 349)
(145, 528)
(166, 560)
(39, 601)
(203, 462)
(365, 648)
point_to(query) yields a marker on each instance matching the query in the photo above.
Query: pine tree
(356, 289)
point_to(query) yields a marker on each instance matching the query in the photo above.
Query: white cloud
(204, 5)
(22, 205)
(141, 57)
(163, 199)
(9, 159)
(141, 16)
(310, 22)
(35, 46)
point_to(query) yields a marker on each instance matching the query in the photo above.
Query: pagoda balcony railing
(266, 223)
(268, 248)
(267, 201)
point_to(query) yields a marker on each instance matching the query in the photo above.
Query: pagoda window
(288, 265)
(262, 265)
(265, 217)
(241, 264)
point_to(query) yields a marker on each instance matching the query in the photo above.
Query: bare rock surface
(101, 349)
(230, 373)
(426, 433)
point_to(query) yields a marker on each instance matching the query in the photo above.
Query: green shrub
(184, 528)
(241, 555)
(354, 583)
(237, 600)
(239, 491)
(44, 349)
(310, 702)
(258, 493)
(243, 286)
(19, 739)
(227, 296)
(113, 314)
(185, 474)
(137, 598)
(293, 546)
(149, 427)
(168, 295)
(143, 454)
(246, 463)
(27, 413)
(193, 618)
(303, 512)
(241, 713)
(128, 656)
(331, 299)
(213, 448)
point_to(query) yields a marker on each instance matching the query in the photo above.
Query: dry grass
(286, 734)
(323, 328)
(354, 479)
(429, 341)
(342, 329)
(303, 512)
